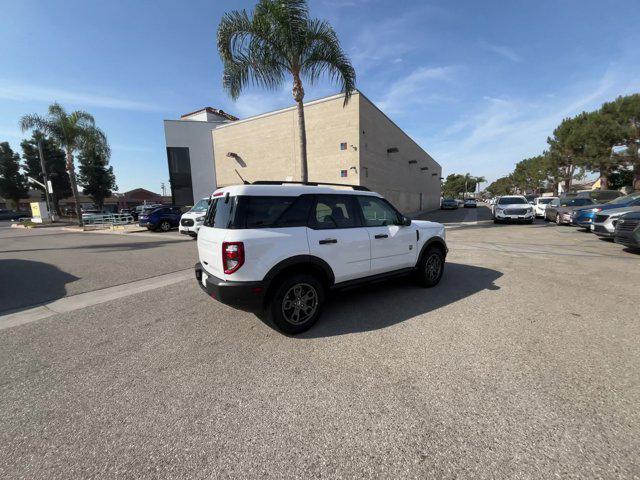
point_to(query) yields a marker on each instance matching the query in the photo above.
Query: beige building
(354, 143)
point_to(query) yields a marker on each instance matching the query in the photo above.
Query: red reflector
(256, 290)
(219, 194)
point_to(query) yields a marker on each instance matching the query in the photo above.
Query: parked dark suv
(161, 218)
(627, 230)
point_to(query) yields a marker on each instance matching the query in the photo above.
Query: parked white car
(191, 221)
(280, 247)
(513, 208)
(540, 205)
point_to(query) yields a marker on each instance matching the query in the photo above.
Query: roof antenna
(243, 180)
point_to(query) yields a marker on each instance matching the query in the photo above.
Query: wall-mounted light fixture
(411, 162)
(392, 150)
(232, 155)
(424, 168)
(434, 174)
(354, 169)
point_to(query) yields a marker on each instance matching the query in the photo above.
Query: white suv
(281, 246)
(191, 221)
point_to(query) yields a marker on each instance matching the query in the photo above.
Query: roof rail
(311, 184)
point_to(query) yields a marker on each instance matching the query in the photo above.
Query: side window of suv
(377, 212)
(334, 211)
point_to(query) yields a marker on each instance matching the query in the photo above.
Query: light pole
(45, 177)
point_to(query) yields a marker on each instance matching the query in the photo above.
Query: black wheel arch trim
(299, 260)
(431, 242)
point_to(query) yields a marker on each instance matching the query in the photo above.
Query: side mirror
(406, 221)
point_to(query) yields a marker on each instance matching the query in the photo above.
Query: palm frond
(31, 121)
(324, 55)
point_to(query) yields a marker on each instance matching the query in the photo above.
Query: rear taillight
(232, 256)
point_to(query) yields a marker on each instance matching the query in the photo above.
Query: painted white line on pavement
(87, 299)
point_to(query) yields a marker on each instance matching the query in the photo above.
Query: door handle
(327, 240)
(382, 235)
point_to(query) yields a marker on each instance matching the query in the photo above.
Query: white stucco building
(190, 154)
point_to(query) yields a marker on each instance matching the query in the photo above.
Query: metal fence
(110, 220)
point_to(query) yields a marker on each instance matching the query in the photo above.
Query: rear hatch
(213, 233)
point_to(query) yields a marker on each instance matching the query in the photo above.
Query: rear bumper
(248, 296)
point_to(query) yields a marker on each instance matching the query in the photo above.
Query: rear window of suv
(258, 212)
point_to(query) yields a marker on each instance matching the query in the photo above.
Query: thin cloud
(507, 130)
(416, 88)
(503, 51)
(34, 93)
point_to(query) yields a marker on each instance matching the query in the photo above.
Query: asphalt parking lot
(522, 363)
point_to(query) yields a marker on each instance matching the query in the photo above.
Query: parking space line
(95, 297)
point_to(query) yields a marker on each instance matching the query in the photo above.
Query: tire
(430, 267)
(558, 221)
(496, 221)
(311, 294)
(530, 221)
(164, 226)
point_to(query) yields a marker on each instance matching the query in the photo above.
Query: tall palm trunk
(74, 187)
(298, 96)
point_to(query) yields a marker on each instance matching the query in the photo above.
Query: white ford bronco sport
(280, 246)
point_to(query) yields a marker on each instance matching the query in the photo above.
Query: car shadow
(24, 283)
(105, 247)
(386, 303)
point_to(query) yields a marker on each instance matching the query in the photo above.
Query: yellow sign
(35, 209)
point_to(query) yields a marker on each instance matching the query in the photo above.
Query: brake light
(232, 256)
(218, 194)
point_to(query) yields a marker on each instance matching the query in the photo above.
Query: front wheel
(297, 303)
(431, 267)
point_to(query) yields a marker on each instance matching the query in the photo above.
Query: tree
(601, 132)
(620, 178)
(54, 159)
(458, 185)
(13, 184)
(502, 186)
(567, 146)
(279, 40)
(626, 112)
(453, 185)
(530, 174)
(71, 131)
(95, 175)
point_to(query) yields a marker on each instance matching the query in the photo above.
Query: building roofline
(286, 109)
(398, 127)
(327, 99)
(215, 111)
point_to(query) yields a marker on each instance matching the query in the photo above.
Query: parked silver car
(560, 209)
(604, 223)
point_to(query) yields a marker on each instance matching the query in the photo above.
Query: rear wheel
(297, 303)
(165, 225)
(431, 267)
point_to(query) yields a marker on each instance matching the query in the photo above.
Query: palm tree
(281, 39)
(71, 131)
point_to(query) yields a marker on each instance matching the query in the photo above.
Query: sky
(479, 85)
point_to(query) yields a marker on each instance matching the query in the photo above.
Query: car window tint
(377, 212)
(334, 211)
(221, 213)
(261, 212)
(297, 214)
